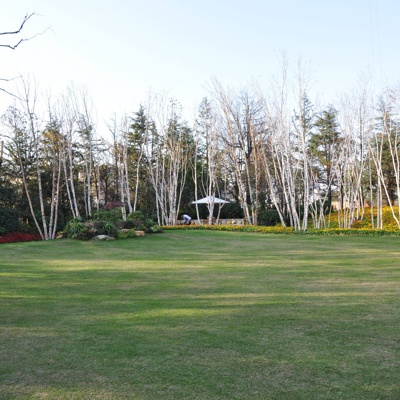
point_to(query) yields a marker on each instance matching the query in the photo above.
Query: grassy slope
(201, 315)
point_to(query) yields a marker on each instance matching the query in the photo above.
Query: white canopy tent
(210, 201)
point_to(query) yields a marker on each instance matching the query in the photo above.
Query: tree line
(273, 153)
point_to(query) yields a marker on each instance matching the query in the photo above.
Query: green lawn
(201, 315)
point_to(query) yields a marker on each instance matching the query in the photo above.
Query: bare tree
(355, 122)
(168, 148)
(52, 144)
(67, 119)
(28, 133)
(303, 122)
(28, 102)
(83, 110)
(119, 131)
(280, 164)
(24, 151)
(241, 129)
(385, 154)
(208, 148)
(124, 164)
(12, 41)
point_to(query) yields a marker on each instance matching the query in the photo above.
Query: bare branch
(26, 18)
(6, 91)
(10, 79)
(13, 47)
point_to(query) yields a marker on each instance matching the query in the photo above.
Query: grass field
(201, 315)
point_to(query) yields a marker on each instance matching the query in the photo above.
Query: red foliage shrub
(19, 237)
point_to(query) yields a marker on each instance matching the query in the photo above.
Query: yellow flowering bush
(360, 228)
(389, 223)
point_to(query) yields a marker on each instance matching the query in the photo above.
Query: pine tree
(325, 149)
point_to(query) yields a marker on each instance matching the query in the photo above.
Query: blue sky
(120, 49)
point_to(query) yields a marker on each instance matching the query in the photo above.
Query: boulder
(101, 237)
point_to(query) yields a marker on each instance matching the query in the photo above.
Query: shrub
(19, 237)
(136, 215)
(151, 227)
(289, 230)
(91, 233)
(9, 221)
(268, 217)
(105, 228)
(76, 229)
(128, 224)
(112, 215)
(149, 223)
(131, 233)
(110, 229)
(156, 229)
(231, 210)
(138, 224)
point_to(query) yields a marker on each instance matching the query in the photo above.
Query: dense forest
(273, 153)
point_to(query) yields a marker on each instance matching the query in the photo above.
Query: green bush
(110, 228)
(138, 224)
(128, 224)
(151, 227)
(113, 215)
(149, 223)
(136, 215)
(76, 229)
(268, 217)
(156, 229)
(8, 195)
(106, 228)
(9, 221)
(131, 233)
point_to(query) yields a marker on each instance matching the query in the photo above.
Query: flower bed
(19, 237)
(286, 230)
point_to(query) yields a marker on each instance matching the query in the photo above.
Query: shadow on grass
(250, 323)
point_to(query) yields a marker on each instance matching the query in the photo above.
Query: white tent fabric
(210, 200)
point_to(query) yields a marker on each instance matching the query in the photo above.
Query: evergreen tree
(141, 125)
(325, 148)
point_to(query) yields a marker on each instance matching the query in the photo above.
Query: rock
(139, 233)
(101, 237)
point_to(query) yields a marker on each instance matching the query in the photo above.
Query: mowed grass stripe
(201, 315)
